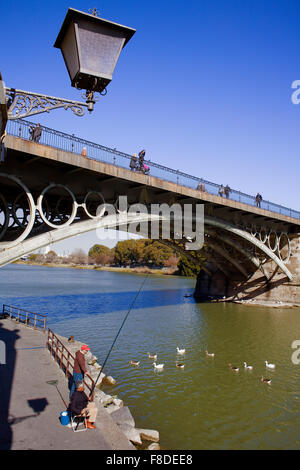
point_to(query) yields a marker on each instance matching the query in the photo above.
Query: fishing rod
(123, 323)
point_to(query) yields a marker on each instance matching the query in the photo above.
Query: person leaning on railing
(35, 132)
(79, 369)
(258, 199)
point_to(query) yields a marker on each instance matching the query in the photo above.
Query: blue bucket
(64, 418)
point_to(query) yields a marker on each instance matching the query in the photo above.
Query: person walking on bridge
(227, 191)
(142, 154)
(221, 191)
(79, 369)
(258, 199)
(133, 162)
(35, 132)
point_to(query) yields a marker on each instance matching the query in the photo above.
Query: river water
(203, 406)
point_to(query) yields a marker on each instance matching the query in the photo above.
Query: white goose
(247, 367)
(210, 354)
(180, 351)
(269, 366)
(158, 366)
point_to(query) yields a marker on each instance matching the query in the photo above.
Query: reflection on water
(203, 406)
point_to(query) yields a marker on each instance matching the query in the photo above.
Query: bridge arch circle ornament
(264, 231)
(269, 240)
(102, 203)
(32, 209)
(40, 206)
(253, 230)
(4, 214)
(287, 258)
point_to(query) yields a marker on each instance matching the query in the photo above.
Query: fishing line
(123, 323)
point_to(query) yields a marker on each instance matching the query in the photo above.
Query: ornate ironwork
(22, 104)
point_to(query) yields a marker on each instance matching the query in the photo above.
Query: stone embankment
(141, 438)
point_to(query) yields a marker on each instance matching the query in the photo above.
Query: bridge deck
(78, 163)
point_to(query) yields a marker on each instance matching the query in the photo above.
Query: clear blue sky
(204, 86)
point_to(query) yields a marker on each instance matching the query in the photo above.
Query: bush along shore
(142, 439)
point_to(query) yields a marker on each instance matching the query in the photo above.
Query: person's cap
(84, 347)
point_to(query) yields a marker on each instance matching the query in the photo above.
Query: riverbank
(118, 269)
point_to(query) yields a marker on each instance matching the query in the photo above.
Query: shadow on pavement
(9, 338)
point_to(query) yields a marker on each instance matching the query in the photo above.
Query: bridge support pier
(274, 288)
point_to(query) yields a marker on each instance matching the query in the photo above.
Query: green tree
(127, 252)
(97, 250)
(189, 268)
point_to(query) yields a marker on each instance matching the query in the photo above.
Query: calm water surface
(203, 406)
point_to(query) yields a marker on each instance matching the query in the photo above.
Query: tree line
(128, 253)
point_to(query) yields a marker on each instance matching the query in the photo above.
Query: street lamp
(91, 47)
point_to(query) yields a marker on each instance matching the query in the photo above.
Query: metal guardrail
(71, 143)
(65, 358)
(31, 319)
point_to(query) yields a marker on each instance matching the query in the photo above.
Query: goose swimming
(134, 363)
(269, 366)
(158, 366)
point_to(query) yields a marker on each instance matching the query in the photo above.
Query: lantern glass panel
(69, 51)
(99, 49)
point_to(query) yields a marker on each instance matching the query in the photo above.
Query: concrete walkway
(30, 408)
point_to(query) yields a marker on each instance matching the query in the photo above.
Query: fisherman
(81, 405)
(79, 369)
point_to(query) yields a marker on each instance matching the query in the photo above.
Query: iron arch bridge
(51, 190)
(29, 221)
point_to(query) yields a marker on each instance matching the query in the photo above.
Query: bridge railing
(65, 358)
(71, 143)
(31, 319)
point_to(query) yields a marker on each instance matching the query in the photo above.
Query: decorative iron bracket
(21, 104)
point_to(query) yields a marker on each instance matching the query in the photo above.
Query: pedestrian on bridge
(201, 187)
(221, 191)
(141, 159)
(258, 199)
(227, 191)
(35, 132)
(133, 162)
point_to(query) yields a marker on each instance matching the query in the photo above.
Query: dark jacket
(78, 402)
(79, 363)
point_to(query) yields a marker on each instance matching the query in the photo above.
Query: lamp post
(90, 47)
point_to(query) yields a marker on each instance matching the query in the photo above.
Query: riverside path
(30, 408)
